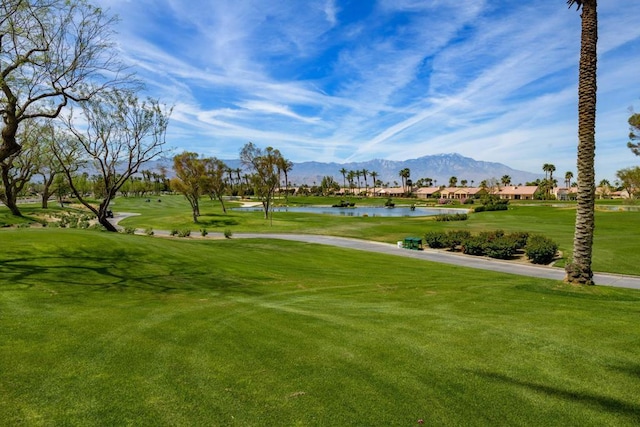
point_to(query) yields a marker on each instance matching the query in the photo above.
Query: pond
(361, 211)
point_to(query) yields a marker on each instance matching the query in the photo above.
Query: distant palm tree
(552, 169)
(358, 173)
(364, 174)
(453, 181)
(350, 176)
(579, 269)
(463, 182)
(505, 180)
(404, 175)
(546, 168)
(568, 176)
(285, 166)
(343, 171)
(374, 175)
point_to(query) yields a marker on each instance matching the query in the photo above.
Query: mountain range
(438, 167)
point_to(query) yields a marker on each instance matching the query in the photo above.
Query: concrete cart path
(482, 263)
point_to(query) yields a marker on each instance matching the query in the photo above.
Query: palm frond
(577, 2)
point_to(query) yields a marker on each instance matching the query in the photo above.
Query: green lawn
(113, 329)
(617, 234)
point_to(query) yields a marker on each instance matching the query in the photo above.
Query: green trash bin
(414, 243)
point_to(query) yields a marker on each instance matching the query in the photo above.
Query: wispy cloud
(334, 80)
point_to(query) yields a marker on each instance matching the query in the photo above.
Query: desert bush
(456, 237)
(148, 231)
(203, 232)
(174, 232)
(540, 249)
(184, 233)
(129, 230)
(490, 236)
(228, 233)
(436, 239)
(474, 245)
(451, 217)
(519, 238)
(501, 248)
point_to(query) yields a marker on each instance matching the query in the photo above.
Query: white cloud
(399, 78)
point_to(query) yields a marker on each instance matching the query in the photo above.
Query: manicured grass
(112, 329)
(617, 234)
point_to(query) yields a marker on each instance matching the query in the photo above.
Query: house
(391, 192)
(461, 193)
(518, 192)
(426, 192)
(564, 193)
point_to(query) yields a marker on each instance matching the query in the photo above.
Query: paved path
(445, 257)
(483, 263)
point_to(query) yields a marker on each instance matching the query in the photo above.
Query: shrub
(490, 236)
(519, 238)
(203, 232)
(228, 233)
(492, 203)
(436, 239)
(129, 230)
(540, 249)
(501, 248)
(148, 231)
(174, 232)
(184, 233)
(474, 246)
(456, 238)
(451, 217)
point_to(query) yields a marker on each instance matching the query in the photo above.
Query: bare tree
(191, 179)
(265, 177)
(18, 169)
(117, 134)
(52, 52)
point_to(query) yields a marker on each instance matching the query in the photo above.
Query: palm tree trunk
(579, 269)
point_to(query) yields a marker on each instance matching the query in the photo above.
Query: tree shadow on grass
(112, 270)
(211, 220)
(602, 402)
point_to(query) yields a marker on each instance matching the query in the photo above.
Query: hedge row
(452, 217)
(494, 244)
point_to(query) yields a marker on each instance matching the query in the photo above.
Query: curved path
(445, 257)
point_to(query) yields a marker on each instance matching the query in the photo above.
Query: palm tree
(364, 174)
(343, 171)
(605, 188)
(285, 166)
(545, 168)
(358, 173)
(453, 181)
(505, 180)
(568, 176)
(404, 174)
(374, 175)
(463, 182)
(350, 176)
(552, 169)
(579, 268)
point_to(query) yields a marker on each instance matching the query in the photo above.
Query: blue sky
(354, 80)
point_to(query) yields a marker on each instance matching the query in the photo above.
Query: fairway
(112, 329)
